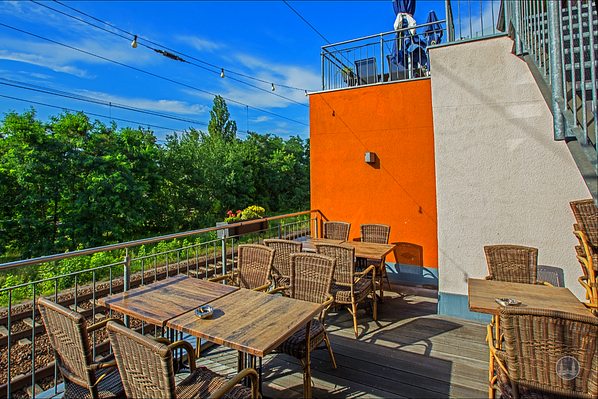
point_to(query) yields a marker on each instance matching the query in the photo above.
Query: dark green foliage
(75, 183)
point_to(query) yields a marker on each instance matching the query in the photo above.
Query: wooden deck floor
(409, 352)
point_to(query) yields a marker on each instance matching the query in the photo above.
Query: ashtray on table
(204, 312)
(507, 302)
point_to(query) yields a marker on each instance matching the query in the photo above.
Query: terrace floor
(409, 352)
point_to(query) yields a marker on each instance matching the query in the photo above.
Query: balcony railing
(402, 54)
(77, 279)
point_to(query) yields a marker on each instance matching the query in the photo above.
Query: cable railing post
(323, 86)
(127, 280)
(556, 68)
(223, 244)
(279, 229)
(316, 225)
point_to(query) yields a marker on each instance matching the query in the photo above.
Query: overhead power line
(150, 73)
(304, 20)
(217, 68)
(74, 96)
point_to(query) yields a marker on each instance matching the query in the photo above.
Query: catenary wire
(151, 74)
(178, 58)
(157, 44)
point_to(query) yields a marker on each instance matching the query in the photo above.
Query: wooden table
(482, 295)
(161, 301)
(251, 322)
(309, 243)
(376, 252)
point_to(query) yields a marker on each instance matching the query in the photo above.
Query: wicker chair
(514, 264)
(311, 278)
(547, 354)
(68, 335)
(281, 268)
(253, 269)
(586, 231)
(147, 371)
(348, 287)
(336, 230)
(378, 234)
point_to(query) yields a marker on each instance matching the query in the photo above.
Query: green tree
(220, 125)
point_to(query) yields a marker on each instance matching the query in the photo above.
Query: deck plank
(409, 352)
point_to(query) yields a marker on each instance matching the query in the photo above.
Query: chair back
(255, 265)
(336, 230)
(311, 277)
(281, 267)
(551, 351)
(375, 233)
(586, 215)
(67, 333)
(512, 263)
(145, 365)
(345, 262)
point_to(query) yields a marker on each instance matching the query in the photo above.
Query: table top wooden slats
(161, 301)
(482, 295)
(370, 250)
(362, 249)
(251, 322)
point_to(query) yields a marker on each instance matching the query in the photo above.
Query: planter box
(249, 226)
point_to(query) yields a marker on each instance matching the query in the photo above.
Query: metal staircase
(562, 44)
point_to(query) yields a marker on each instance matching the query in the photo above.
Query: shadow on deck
(408, 352)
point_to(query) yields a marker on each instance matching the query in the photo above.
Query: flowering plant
(251, 212)
(233, 217)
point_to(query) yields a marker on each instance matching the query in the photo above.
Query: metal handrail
(129, 244)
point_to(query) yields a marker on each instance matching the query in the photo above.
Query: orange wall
(395, 122)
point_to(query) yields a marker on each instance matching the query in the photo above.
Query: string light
(222, 73)
(305, 93)
(273, 87)
(134, 44)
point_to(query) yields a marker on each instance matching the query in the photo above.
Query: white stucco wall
(500, 176)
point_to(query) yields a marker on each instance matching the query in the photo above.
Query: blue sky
(265, 40)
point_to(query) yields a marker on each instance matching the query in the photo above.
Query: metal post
(127, 279)
(316, 225)
(279, 229)
(223, 241)
(382, 60)
(518, 44)
(450, 27)
(556, 68)
(322, 56)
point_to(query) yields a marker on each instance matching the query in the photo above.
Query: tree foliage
(75, 183)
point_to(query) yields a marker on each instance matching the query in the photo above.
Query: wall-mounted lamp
(370, 157)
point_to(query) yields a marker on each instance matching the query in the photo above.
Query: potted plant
(348, 76)
(252, 212)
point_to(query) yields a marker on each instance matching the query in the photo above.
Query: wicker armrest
(490, 277)
(248, 372)
(540, 282)
(263, 287)
(189, 349)
(162, 340)
(229, 277)
(360, 275)
(279, 290)
(102, 365)
(102, 323)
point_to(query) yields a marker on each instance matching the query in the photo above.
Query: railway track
(27, 329)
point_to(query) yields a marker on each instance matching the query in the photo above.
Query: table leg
(306, 368)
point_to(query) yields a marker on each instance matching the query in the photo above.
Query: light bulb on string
(273, 87)
(305, 93)
(134, 43)
(222, 73)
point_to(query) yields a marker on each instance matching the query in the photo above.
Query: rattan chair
(147, 371)
(281, 268)
(348, 287)
(378, 234)
(547, 354)
(513, 264)
(311, 278)
(68, 334)
(586, 231)
(336, 230)
(253, 268)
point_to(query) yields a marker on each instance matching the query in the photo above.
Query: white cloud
(43, 61)
(260, 119)
(168, 106)
(198, 43)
